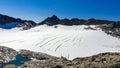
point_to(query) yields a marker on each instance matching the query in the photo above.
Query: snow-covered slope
(67, 41)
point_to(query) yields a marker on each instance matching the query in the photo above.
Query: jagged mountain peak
(54, 16)
(53, 20)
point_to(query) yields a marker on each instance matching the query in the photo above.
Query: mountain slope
(60, 40)
(7, 22)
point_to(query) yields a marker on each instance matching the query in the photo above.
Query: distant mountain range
(54, 20)
(8, 22)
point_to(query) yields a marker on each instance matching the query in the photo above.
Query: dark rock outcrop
(112, 29)
(27, 24)
(93, 21)
(65, 22)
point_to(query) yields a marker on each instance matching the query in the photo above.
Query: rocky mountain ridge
(8, 22)
(54, 20)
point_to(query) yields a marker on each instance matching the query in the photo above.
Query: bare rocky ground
(7, 54)
(111, 29)
(41, 60)
(103, 60)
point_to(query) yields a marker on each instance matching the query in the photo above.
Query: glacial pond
(19, 61)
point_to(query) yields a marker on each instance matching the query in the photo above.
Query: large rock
(7, 54)
(10, 66)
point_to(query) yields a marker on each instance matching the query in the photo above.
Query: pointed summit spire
(54, 17)
(53, 20)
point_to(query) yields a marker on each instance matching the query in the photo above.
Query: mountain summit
(53, 20)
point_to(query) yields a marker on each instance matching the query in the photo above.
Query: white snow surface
(66, 41)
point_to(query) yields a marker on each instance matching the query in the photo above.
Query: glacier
(67, 41)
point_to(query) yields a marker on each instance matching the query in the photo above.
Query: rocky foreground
(41, 60)
(7, 54)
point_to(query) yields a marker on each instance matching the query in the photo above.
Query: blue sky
(37, 10)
